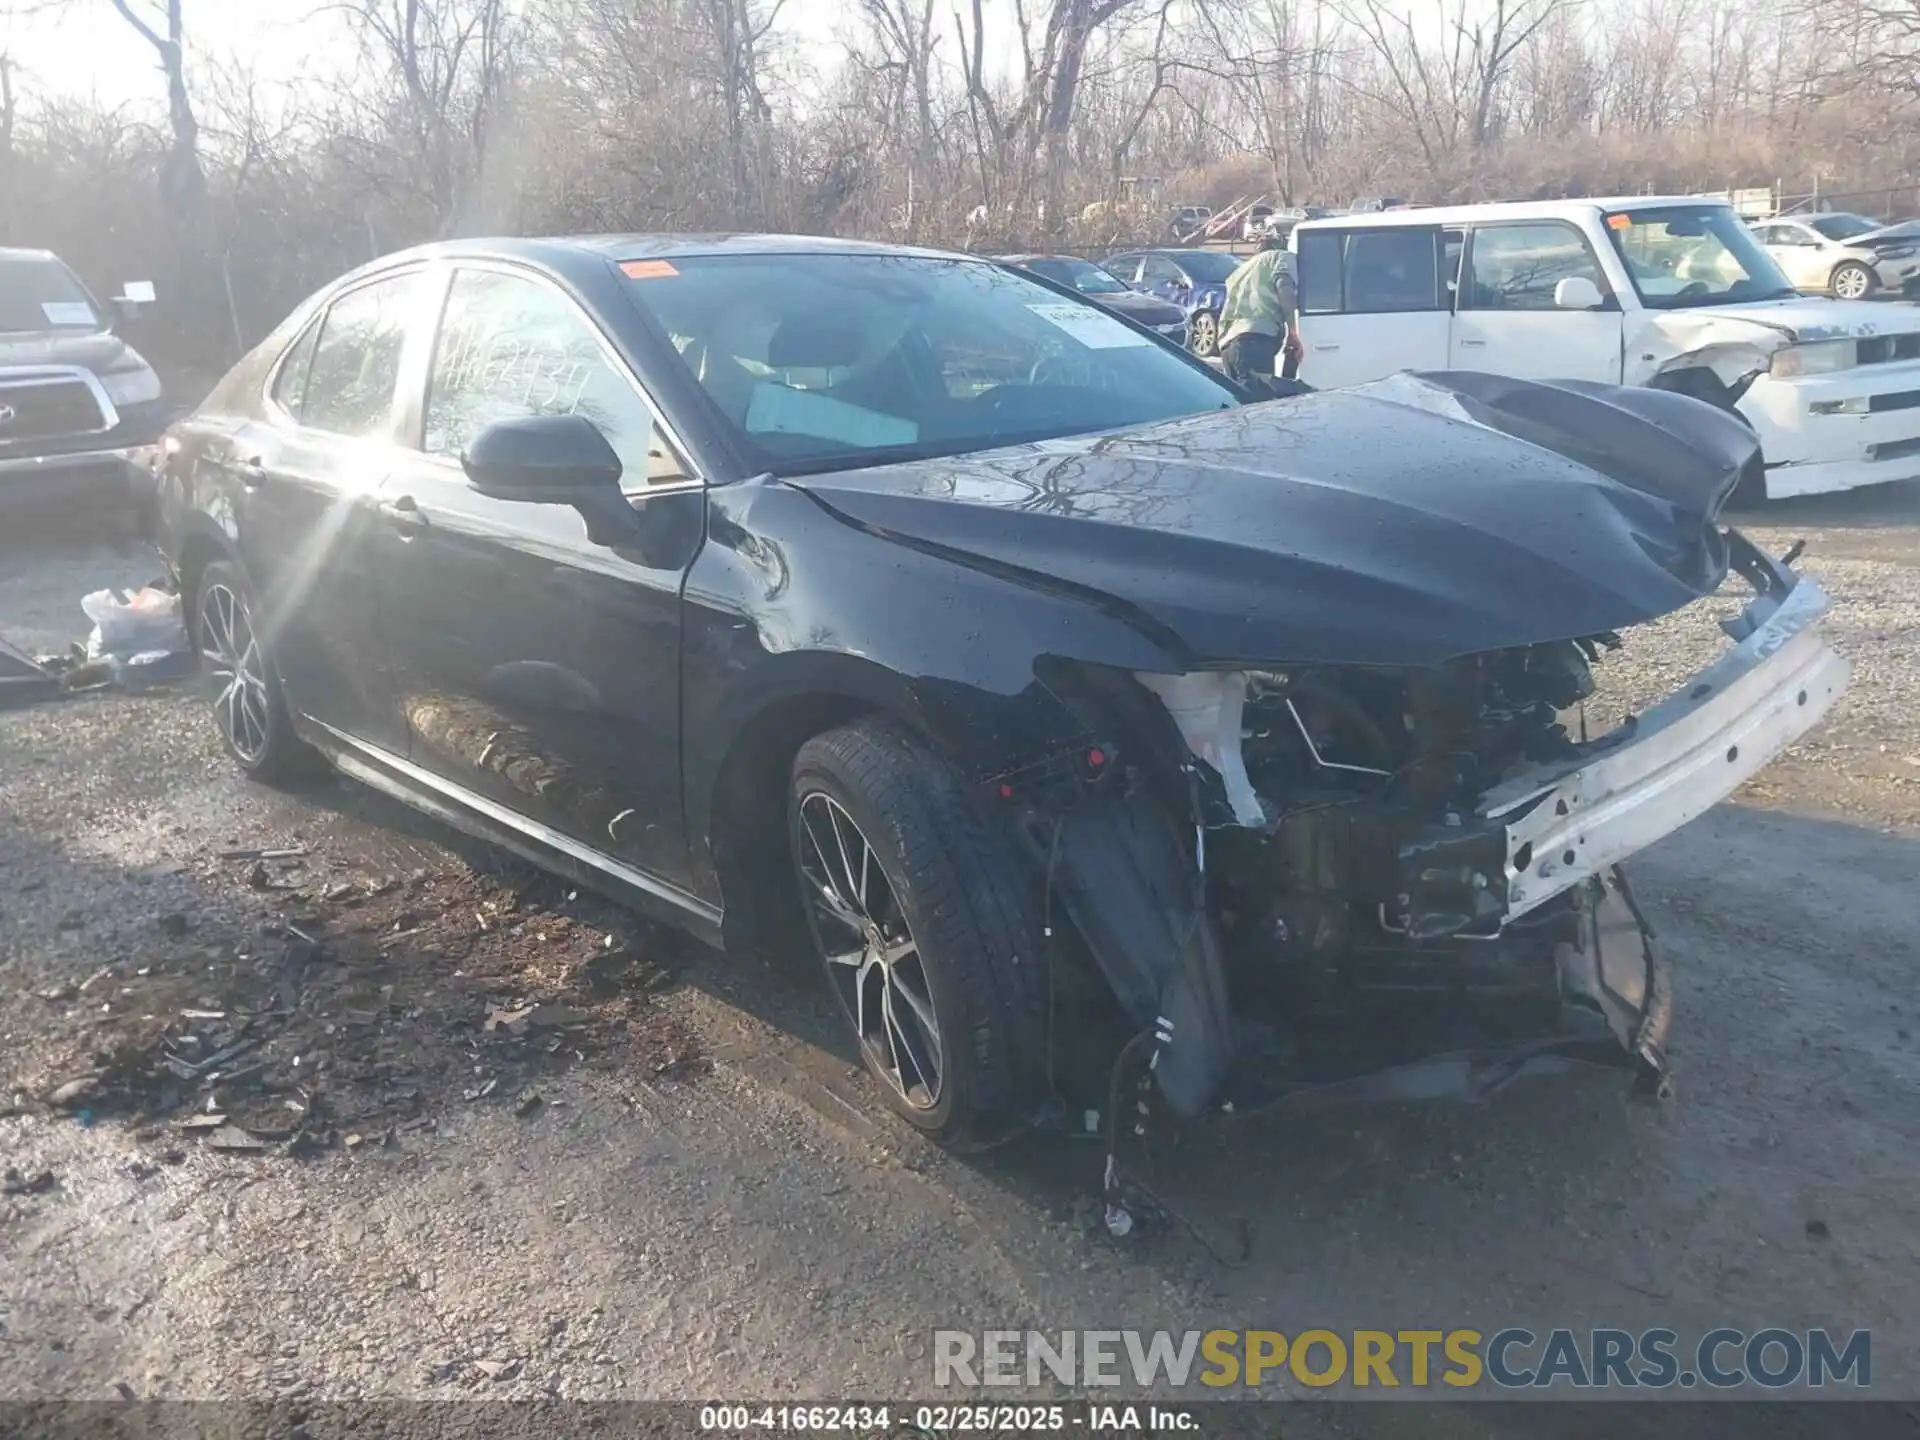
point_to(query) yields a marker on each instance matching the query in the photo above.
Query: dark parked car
(74, 396)
(1195, 280)
(1104, 288)
(892, 604)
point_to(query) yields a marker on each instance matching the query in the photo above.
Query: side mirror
(1577, 292)
(553, 460)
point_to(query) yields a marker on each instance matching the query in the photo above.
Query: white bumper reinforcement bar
(1680, 758)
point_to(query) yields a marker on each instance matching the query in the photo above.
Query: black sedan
(1104, 288)
(1069, 708)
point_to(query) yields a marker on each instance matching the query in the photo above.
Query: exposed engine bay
(1403, 882)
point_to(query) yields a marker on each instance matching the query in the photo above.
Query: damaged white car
(1677, 294)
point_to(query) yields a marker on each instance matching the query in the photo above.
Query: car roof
(1029, 259)
(558, 250)
(1578, 209)
(16, 252)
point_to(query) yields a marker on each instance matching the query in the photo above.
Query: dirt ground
(388, 1115)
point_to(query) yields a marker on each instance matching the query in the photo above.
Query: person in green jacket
(1260, 320)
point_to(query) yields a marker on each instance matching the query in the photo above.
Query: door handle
(403, 513)
(1466, 343)
(1325, 349)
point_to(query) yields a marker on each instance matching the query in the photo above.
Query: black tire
(1852, 281)
(251, 712)
(959, 901)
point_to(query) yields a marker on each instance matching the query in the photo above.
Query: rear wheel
(1851, 281)
(924, 923)
(1205, 333)
(248, 708)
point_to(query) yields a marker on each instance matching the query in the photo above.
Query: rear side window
(1517, 267)
(356, 361)
(1370, 272)
(511, 347)
(290, 385)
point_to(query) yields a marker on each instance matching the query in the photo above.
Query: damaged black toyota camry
(1073, 710)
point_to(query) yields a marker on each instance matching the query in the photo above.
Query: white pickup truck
(1674, 293)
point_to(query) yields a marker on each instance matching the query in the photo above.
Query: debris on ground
(321, 1012)
(138, 641)
(37, 1183)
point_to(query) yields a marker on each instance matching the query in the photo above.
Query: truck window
(1371, 272)
(1516, 267)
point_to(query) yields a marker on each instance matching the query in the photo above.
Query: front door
(1801, 251)
(538, 668)
(1508, 321)
(1372, 302)
(307, 482)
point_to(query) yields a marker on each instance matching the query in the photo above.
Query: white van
(1669, 292)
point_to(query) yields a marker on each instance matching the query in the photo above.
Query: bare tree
(447, 64)
(182, 182)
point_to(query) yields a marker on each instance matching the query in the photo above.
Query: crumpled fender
(1735, 350)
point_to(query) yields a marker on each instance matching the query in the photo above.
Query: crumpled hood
(1807, 319)
(1400, 523)
(95, 350)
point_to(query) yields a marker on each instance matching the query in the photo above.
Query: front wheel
(924, 922)
(1204, 334)
(1851, 281)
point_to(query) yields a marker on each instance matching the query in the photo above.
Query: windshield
(1681, 257)
(1843, 227)
(1208, 267)
(41, 294)
(827, 362)
(1082, 275)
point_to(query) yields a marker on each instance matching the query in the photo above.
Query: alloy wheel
(234, 660)
(1204, 331)
(1851, 282)
(871, 957)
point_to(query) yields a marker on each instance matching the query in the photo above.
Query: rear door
(306, 482)
(1373, 301)
(1507, 321)
(539, 669)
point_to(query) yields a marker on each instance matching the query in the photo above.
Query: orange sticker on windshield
(647, 269)
(1619, 222)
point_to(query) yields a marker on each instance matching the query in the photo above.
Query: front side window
(290, 384)
(1159, 270)
(1681, 256)
(37, 293)
(827, 362)
(356, 361)
(1127, 267)
(1518, 267)
(511, 347)
(1208, 267)
(1371, 272)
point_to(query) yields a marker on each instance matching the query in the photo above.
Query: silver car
(1840, 255)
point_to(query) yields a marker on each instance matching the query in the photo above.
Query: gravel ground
(706, 1201)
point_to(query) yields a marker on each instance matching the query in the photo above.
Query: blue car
(1195, 280)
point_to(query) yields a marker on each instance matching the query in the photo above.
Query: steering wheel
(1050, 370)
(1687, 292)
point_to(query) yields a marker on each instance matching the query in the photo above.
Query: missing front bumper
(1566, 824)
(1616, 1006)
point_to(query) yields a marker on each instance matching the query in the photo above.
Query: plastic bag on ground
(138, 624)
